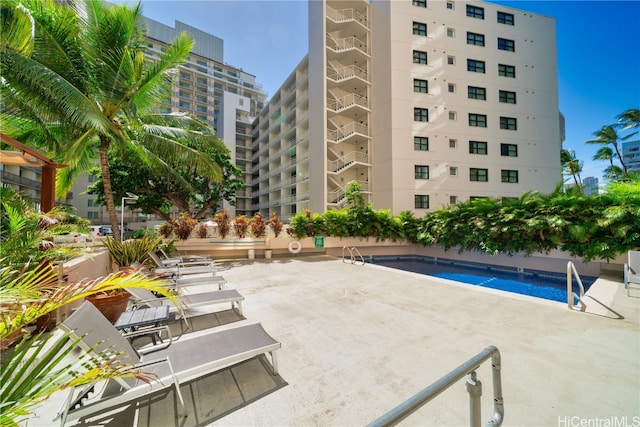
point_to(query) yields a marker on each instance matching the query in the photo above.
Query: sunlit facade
(425, 104)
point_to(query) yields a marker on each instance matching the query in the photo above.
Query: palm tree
(606, 154)
(74, 75)
(608, 135)
(571, 165)
(630, 119)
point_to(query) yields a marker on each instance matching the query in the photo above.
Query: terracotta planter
(111, 305)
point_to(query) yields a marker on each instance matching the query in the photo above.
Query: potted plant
(202, 231)
(275, 224)
(184, 225)
(224, 222)
(241, 225)
(258, 225)
(113, 303)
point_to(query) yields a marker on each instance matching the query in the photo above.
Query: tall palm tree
(606, 154)
(572, 166)
(630, 119)
(608, 135)
(74, 76)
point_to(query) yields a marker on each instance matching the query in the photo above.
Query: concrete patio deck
(358, 340)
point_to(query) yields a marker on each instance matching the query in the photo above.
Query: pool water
(535, 283)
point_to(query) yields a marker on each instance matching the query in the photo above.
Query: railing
(474, 387)
(342, 15)
(347, 43)
(337, 135)
(571, 270)
(346, 73)
(347, 160)
(354, 255)
(348, 101)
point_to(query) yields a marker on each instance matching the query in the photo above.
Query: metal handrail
(571, 270)
(353, 253)
(474, 387)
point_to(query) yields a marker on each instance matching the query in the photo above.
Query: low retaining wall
(555, 261)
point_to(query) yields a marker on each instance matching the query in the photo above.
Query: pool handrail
(474, 387)
(353, 253)
(571, 270)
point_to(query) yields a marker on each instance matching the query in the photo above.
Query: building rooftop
(359, 340)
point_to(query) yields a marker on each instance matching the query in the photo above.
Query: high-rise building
(590, 185)
(631, 155)
(423, 103)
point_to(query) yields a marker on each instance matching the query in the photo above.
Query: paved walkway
(358, 340)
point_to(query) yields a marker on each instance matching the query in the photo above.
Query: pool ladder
(571, 270)
(354, 255)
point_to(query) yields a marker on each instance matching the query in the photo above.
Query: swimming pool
(535, 283)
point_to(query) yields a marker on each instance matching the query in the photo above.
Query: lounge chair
(184, 360)
(190, 304)
(176, 262)
(632, 271)
(187, 258)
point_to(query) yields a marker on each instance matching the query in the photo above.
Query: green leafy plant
(132, 251)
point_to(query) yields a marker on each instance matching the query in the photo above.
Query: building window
(450, 5)
(475, 12)
(453, 171)
(453, 115)
(91, 203)
(477, 147)
(475, 39)
(451, 32)
(475, 66)
(509, 150)
(477, 120)
(453, 143)
(420, 3)
(509, 176)
(421, 172)
(509, 123)
(420, 86)
(477, 93)
(419, 29)
(419, 57)
(507, 97)
(93, 215)
(506, 44)
(476, 174)
(505, 18)
(91, 178)
(451, 60)
(420, 114)
(451, 87)
(506, 70)
(420, 143)
(453, 200)
(421, 201)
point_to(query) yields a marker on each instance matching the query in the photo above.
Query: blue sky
(598, 51)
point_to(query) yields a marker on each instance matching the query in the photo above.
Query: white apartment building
(222, 95)
(424, 103)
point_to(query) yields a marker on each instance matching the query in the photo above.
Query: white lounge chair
(186, 258)
(191, 305)
(187, 359)
(178, 262)
(632, 271)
